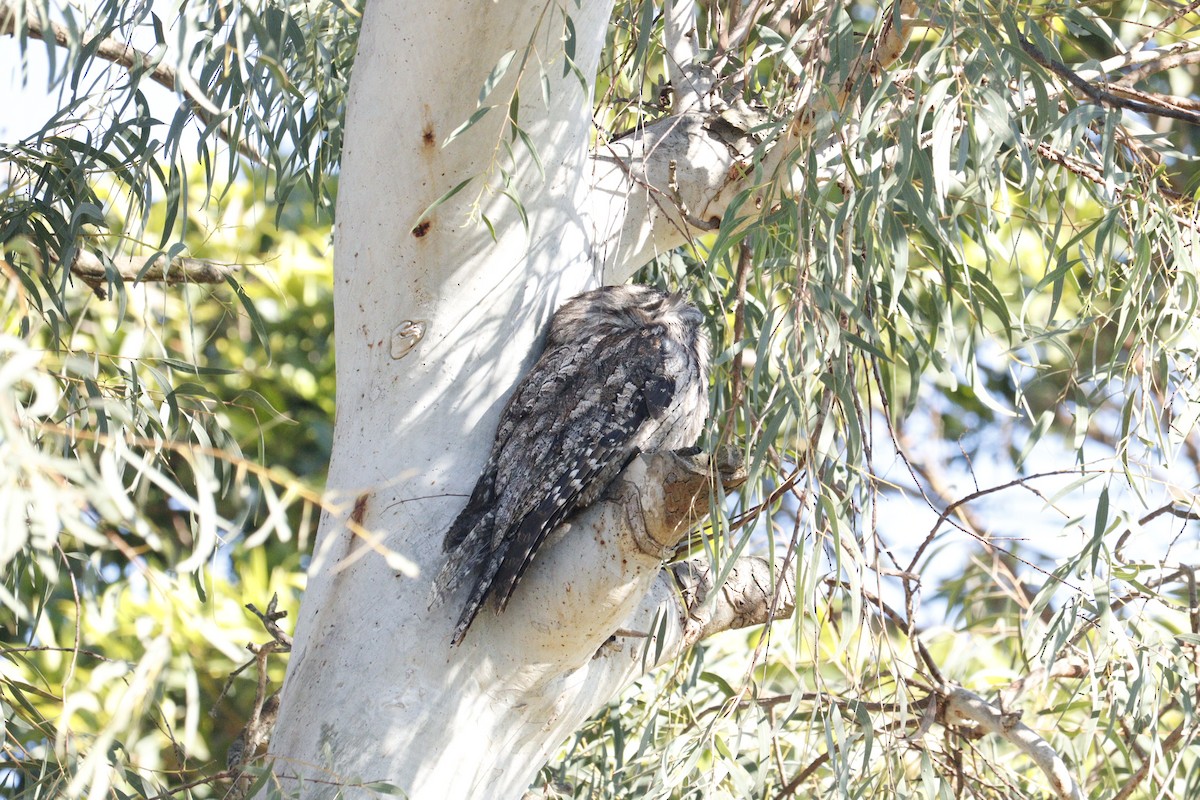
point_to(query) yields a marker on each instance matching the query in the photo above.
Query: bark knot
(755, 592)
(665, 494)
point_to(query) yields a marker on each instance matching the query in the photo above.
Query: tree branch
(130, 269)
(1161, 64)
(959, 705)
(254, 738)
(688, 79)
(894, 36)
(743, 600)
(133, 60)
(655, 186)
(1105, 96)
(270, 620)
(896, 33)
(956, 705)
(642, 205)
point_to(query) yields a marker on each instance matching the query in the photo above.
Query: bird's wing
(603, 399)
(566, 433)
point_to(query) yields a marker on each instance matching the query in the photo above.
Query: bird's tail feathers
(465, 557)
(478, 596)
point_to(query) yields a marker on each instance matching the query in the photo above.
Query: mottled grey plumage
(624, 372)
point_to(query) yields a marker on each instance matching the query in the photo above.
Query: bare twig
(255, 736)
(269, 618)
(183, 787)
(950, 509)
(1004, 564)
(1179, 13)
(1171, 508)
(1105, 96)
(4, 651)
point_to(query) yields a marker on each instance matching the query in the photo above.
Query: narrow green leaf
(516, 201)
(532, 149)
(434, 205)
(645, 29)
(193, 369)
(383, 787)
(569, 44)
(198, 585)
(495, 76)
(1045, 419)
(256, 321)
(479, 114)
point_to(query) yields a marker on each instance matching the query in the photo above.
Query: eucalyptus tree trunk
(436, 322)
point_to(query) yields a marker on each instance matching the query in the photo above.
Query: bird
(624, 371)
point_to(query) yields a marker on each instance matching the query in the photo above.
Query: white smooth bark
(435, 325)
(960, 705)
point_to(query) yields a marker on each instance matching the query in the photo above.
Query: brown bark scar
(360, 509)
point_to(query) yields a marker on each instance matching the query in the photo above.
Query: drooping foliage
(960, 342)
(162, 465)
(163, 449)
